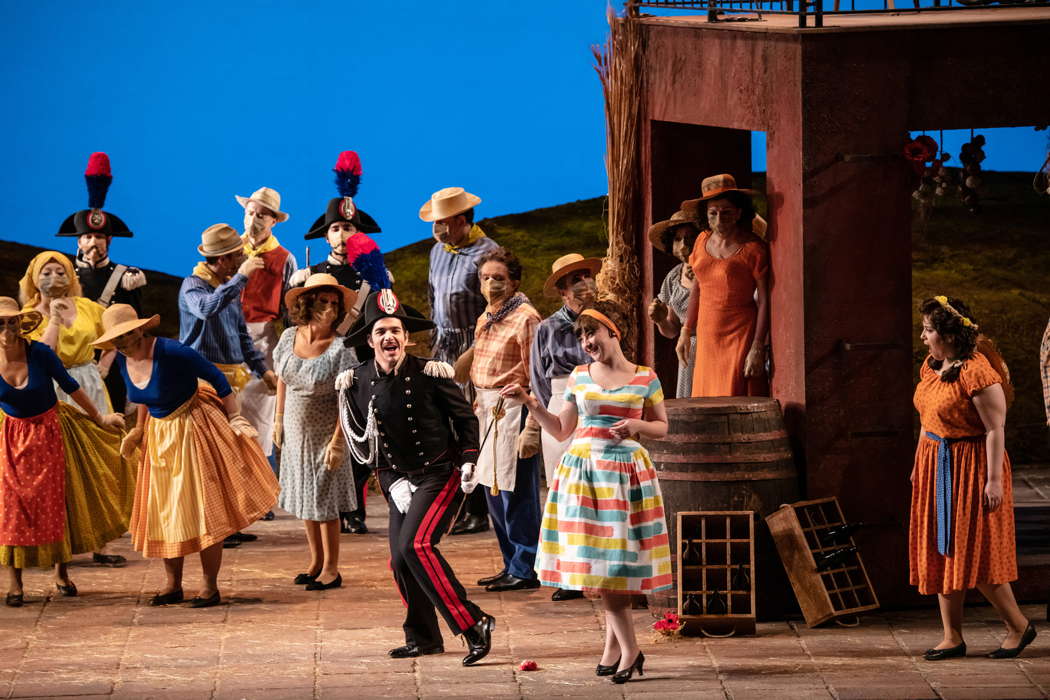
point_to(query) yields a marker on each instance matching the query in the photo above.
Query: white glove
(240, 426)
(468, 479)
(298, 277)
(401, 494)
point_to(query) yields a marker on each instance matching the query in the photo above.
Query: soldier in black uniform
(336, 225)
(101, 279)
(406, 416)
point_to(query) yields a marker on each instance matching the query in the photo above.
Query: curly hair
(950, 327)
(671, 232)
(589, 324)
(502, 255)
(741, 201)
(301, 311)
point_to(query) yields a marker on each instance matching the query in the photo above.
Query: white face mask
(252, 223)
(53, 285)
(440, 232)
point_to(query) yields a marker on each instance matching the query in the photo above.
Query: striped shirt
(212, 323)
(501, 353)
(1044, 370)
(556, 352)
(455, 297)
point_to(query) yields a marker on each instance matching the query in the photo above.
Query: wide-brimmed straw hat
(447, 202)
(219, 239)
(317, 282)
(566, 265)
(118, 319)
(685, 216)
(711, 187)
(9, 308)
(269, 198)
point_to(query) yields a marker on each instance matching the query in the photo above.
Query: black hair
(742, 202)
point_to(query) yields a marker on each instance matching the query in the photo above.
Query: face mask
(493, 290)
(95, 251)
(252, 223)
(440, 232)
(54, 286)
(584, 291)
(323, 311)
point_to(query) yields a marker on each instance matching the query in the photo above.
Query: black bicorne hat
(94, 220)
(347, 179)
(342, 209)
(385, 304)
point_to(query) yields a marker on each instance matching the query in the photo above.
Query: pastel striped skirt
(199, 482)
(603, 526)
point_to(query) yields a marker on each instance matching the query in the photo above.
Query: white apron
(553, 449)
(257, 403)
(90, 380)
(501, 446)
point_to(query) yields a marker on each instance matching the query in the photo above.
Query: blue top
(556, 352)
(211, 322)
(455, 297)
(38, 395)
(176, 369)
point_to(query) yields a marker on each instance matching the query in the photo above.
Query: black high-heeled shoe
(1026, 639)
(603, 670)
(14, 600)
(69, 591)
(621, 677)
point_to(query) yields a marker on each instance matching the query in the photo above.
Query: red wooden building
(836, 104)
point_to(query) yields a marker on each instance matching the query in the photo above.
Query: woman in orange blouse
(962, 520)
(731, 267)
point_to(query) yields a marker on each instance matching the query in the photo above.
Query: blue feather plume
(372, 270)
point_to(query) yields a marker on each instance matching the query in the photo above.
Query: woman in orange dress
(962, 518)
(731, 267)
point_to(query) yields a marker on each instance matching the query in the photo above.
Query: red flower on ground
(528, 665)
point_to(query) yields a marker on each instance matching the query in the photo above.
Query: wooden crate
(845, 589)
(713, 547)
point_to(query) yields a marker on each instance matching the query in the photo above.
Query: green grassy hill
(999, 262)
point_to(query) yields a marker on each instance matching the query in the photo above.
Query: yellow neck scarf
(473, 237)
(251, 250)
(202, 270)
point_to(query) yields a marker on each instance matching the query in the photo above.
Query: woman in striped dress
(603, 528)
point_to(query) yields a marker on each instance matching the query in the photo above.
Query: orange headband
(604, 320)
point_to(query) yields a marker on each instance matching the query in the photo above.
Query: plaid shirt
(1044, 369)
(501, 354)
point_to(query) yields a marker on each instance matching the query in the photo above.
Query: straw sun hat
(711, 187)
(118, 319)
(448, 202)
(9, 308)
(566, 265)
(269, 198)
(318, 281)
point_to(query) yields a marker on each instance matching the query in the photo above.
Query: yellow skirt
(99, 487)
(199, 482)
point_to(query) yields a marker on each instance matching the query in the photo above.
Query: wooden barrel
(728, 453)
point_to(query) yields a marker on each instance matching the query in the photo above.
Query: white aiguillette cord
(363, 442)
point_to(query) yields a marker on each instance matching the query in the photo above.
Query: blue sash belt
(942, 490)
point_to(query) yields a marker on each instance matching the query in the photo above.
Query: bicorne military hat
(347, 178)
(93, 219)
(385, 304)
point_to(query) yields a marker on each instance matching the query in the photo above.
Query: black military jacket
(94, 279)
(346, 275)
(423, 420)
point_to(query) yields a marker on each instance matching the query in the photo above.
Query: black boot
(479, 640)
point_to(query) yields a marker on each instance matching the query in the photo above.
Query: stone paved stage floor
(275, 640)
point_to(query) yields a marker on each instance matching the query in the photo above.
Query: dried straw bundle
(619, 66)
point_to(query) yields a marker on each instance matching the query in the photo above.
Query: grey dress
(676, 297)
(309, 491)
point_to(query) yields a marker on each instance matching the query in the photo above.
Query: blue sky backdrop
(198, 101)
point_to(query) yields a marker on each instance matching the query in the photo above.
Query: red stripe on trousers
(425, 552)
